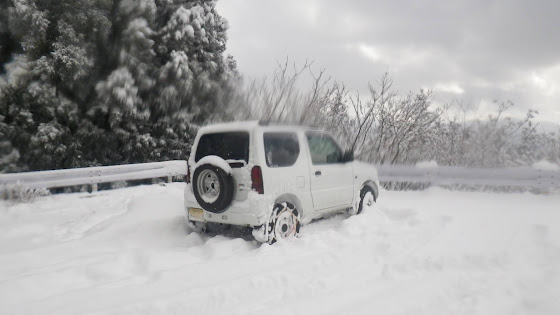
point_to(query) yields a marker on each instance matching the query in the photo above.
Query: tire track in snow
(419, 252)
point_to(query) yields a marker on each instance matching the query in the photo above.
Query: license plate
(196, 213)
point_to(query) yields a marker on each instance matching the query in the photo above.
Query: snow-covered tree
(398, 124)
(119, 99)
(70, 59)
(192, 33)
(8, 157)
(115, 80)
(47, 148)
(176, 85)
(28, 25)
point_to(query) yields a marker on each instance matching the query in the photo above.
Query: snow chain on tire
(363, 193)
(284, 222)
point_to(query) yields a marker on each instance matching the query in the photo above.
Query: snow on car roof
(249, 125)
(236, 125)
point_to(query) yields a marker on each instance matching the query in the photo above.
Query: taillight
(188, 178)
(256, 178)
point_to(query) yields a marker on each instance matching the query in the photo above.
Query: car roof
(251, 125)
(230, 126)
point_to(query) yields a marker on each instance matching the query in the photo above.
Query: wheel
(213, 188)
(284, 222)
(367, 198)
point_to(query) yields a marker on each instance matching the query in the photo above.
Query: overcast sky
(473, 51)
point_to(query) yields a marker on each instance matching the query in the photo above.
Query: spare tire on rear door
(213, 184)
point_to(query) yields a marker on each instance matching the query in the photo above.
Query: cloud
(472, 49)
(369, 52)
(452, 88)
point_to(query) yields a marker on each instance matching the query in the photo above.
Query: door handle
(318, 173)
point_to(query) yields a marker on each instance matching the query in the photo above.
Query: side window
(323, 148)
(281, 148)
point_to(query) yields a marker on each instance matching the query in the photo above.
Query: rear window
(227, 145)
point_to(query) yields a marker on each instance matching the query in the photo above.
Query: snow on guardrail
(93, 175)
(540, 175)
(537, 176)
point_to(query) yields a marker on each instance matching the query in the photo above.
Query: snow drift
(129, 251)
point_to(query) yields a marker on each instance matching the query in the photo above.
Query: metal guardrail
(93, 175)
(450, 175)
(439, 175)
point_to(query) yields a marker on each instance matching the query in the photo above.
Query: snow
(129, 251)
(427, 164)
(189, 30)
(249, 125)
(544, 165)
(182, 15)
(120, 85)
(236, 126)
(216, 161)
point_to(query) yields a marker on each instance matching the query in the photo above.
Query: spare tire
(213, 187)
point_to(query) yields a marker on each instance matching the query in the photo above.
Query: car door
(332, 180)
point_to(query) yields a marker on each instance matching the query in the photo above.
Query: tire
(213, 188)
(284, 222)
(367, 197)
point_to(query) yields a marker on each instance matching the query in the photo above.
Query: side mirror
(348, 156)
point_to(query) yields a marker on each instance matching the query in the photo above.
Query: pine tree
(193, 33)
(89, 82)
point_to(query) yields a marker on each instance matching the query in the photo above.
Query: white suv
(272, 178)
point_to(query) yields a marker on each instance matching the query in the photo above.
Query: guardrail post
(93, 187)
(169, 178)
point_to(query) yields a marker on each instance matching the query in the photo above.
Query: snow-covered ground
(129, 251)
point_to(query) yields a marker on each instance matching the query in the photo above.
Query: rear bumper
(253, 211)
